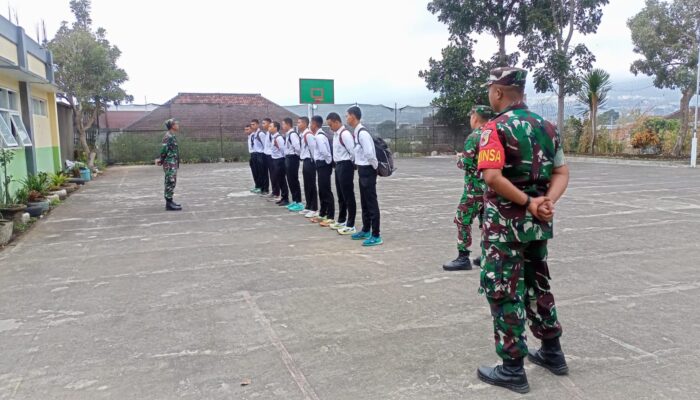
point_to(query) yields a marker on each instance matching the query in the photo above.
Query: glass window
(21, 130)
(13, 101)
(39, 107)
(4, 99)
(6, 134)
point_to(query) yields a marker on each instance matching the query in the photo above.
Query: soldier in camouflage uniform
(471, 205)
(170, 161)
(523, 164)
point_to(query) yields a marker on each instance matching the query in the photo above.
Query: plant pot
(5, 231)
(85, 174)
(12, 211)
(53, 197)
(70, 187)
(37, 208)
(62, 194)
(77, 181)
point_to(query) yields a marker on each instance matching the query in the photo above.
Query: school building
(29, 123)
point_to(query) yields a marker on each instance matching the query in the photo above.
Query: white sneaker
(336, 226)
(311, 214)
(347, 231)
(304, 212)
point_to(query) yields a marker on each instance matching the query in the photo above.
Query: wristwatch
(527, 202)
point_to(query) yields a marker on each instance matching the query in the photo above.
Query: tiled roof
(120, 119)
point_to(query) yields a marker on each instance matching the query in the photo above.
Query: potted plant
(6, 227)
(7, 208)
(57, 181)
(37, 187)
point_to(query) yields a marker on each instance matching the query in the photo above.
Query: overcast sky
(373, 49)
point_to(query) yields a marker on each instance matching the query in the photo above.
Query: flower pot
(12, 211)
(5, 231)
(85, 174)
(37, 208)
(62, 194)
(53, 197)
(70, 187)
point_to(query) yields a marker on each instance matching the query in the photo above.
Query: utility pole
(694, 148)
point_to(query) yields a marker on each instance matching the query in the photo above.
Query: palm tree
(595, 86)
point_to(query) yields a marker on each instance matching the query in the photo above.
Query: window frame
(19, 134)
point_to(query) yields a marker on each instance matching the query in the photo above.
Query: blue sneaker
(373, 241)
(361, 235)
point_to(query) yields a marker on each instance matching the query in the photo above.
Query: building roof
(204, 115)
(678, 115)
(115, 120)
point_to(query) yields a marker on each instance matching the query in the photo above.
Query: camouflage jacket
(468, 160)
(527, 149)
(169, 152)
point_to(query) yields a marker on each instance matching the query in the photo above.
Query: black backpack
(383, 153)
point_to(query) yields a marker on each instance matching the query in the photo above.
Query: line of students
(278, 150)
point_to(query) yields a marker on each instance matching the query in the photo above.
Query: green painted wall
(57, 159)
(18, 169)
(46, 159)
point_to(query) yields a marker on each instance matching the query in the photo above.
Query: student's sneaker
(311, 214)
(291, 205)
(316, 220)
(264, 194)
(304, 211)
(274, 199)
(361, 235)
(373, 241)
(257, 191)
(337, 225)
(298, 208)
(345, 231)
(326, 223)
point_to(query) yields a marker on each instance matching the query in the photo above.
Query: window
(12, 128)
(39, 107)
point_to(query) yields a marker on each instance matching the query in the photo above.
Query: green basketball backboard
(316, 91)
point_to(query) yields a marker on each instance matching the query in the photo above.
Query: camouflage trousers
(515, 279)
(170, 182)
(470, 207)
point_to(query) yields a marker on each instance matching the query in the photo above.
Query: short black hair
(277, 125)
(318, 120)
(288, 121)
(305, 119)
(255, 121)
(247, 126)
(268, 120)
(355, 111)
(334, 117)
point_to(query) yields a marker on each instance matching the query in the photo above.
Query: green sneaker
(361, 236)
(373, 241)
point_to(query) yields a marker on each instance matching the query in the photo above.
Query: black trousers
(259, 163)
(292, 166)
(310, 192)
(345, 188)
(251, 163)
(280, 178)
(267, 176)
(325, 193)
(368, 199)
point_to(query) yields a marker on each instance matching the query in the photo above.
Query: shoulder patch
(485, 137)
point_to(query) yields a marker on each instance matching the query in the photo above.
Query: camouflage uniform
(471, 204)
(170, 160)
(514, 272)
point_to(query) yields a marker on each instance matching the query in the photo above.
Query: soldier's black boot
(170, 206)
(510, 375)
(550, 356)
(477, 261)
(175, 204)
(461, 263)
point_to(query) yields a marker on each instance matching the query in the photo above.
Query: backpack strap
(340, 136)
(363, 129)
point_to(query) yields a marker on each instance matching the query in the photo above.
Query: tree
(665, 35)
(611, 116)
(500, 18)
(549, 44)
(86, 71)
(595, 86)
(458, 80)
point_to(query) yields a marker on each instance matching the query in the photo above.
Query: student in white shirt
(267, 140)
(278, 167)
(308, 143)
(343, 156)
(259, 155)
(366, 161)
(251, 154)
(292, 153)
(324, 170)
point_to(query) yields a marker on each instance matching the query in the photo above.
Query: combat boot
(170, 206)
(550, 356)
(510, 375)
(477, 261)
(175, 204)
(461, 263)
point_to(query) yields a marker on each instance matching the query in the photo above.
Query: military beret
(170, 123)
(483, 111)
(507, 76)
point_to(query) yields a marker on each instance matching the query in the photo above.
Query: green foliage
(55, 202)
(571, 134)
(595, 86)
(664, 34)
(21, 196)
(6, 157)
(58, 180)
(86, 69)
(557, 61)
(143, 148)
(37, 183)
(655, 132)
(608, 116)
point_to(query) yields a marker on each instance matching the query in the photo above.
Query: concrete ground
(111, 297)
